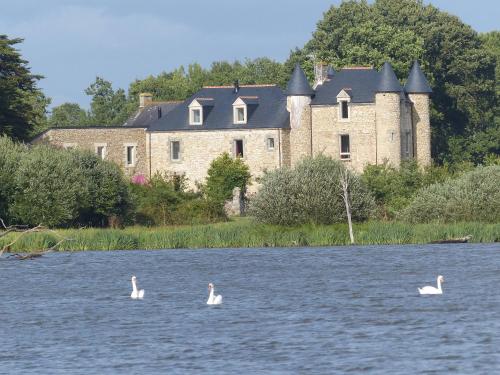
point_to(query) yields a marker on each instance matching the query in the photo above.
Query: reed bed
(246, 232)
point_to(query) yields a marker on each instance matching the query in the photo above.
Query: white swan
(136, 294)
(212, 298)
(431, 289)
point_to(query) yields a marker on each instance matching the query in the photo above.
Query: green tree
(108, 107)
(223, 176)
(22, 104)
(460, 69)
(68, 114)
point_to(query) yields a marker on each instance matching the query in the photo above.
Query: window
(195, 116)
(238, 148)
(270, 143)
(101, 152)
(130, 155)
(407, 143)
(240, 115)
(175, 150)
(345, 151)
(344, 110)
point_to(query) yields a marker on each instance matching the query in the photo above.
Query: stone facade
(113, 140)
(422, 127)
(198, 148)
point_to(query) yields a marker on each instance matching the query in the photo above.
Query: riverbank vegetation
(246, 232)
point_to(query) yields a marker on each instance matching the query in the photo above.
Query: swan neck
(134, 286)
(439, 284)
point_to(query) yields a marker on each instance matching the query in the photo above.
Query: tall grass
(247, 233)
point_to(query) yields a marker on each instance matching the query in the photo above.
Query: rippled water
(308, 311)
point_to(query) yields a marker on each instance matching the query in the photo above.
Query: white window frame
(104, 149)
(134, 154)
(343, 96)
(236, 109)
(269, 147)
(344, 155)
(191, 115)
(172, 150)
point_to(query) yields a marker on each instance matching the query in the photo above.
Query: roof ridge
(232, 87)
(357, 67)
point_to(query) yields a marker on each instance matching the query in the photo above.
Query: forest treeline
(461, 64)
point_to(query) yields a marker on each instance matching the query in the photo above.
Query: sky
(70, 42)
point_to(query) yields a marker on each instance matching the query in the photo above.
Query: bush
(10, 156)
(474, 196)
(165, 200)
(394, 188)
(310, 193)
(55, 187)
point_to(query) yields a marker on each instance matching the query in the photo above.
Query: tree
(224, 175)
(108, 107)
(460, 69)
(22, 104)
(68, 114)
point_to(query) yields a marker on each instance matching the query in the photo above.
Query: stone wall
(388, 123)
(421, 128)
(198, 148)
(300, 124)
(328, 127)
(113, 139)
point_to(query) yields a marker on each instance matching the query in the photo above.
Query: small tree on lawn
(224, 175)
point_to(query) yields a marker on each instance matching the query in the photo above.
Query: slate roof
(298, 84)
(388, 82)
(417, 83)
(360, 83)
(268, 110)
(150, 113)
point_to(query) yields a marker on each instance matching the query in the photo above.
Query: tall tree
(68, 114)
(459, 68)
(108, 107)
(22, 104)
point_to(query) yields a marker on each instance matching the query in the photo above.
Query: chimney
(236, 86)
(145, 98)
(320, 73)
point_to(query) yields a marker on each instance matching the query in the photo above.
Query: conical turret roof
(388, 82)
(298, 84)
(417, 83)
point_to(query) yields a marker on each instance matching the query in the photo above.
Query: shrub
(10, 157)
(108, 193)
(49, 188)
(474, 196)
(394, 188)
(55, 187)
(309, 193)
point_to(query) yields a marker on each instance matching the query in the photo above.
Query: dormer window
(199, 109)
(241, 108)
(343, 98)
(344, 110)
(240, 114)
(195, 118)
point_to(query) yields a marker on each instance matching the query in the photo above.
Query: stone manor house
(357, 115)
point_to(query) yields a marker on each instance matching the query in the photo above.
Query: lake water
(285, 311)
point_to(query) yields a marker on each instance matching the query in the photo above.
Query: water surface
(300, 310)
